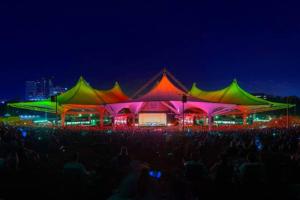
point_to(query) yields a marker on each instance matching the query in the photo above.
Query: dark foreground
(64, 164)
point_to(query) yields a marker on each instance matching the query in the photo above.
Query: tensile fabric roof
(234, 94)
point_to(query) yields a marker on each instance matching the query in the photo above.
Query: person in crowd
(74, 166)
(74, 177)
(123, 158)
(238, 161)
(252, 171)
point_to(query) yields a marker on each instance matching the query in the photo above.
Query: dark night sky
(208, 42)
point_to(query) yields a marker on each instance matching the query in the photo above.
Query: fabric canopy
(82, 93)
(234, 94)
(113, 95)
(228, 100)
(165, 90)
(42, 106)
(170, 97)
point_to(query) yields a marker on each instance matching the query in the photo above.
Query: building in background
(57, 90)
(41, 89)
(32, 91)
(262, 96)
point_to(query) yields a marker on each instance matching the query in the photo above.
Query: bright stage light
(153, 119)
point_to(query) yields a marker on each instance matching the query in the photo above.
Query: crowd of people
(64, 163)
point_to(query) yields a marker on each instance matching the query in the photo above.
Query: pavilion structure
(245, 103)
(165, 98)
(80, 99)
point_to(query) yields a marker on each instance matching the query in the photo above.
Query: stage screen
(152, 119)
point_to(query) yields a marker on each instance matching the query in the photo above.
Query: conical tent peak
(164, 71)
(116, 84)
(194, 86)
(81, 78)
(235, 81)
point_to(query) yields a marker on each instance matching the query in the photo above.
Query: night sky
(208, 42)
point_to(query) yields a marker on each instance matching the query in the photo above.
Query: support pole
(205, 117)
(184, 100)
(209, 122)
(63, 118)
(245, 115)
(89, 118)
(133, 120)
(113, 123)
(101, 118)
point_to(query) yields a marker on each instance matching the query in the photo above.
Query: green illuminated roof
(42, 106)
(234, 94)
(82, 94)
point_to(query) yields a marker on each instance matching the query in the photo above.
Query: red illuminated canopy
(164, 90)
(113, 95)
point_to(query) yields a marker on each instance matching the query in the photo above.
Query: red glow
(121, 120)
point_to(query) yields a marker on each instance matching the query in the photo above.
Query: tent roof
(82, 93)
(42, 106)
(114, 95)
(234, 94)
(164, 90)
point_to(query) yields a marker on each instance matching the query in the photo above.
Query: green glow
(234, 94)
(42, 106)
(77, 123)
(82, 94)
(41, 121)
(225, 122)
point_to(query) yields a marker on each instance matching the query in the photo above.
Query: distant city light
(42, 89)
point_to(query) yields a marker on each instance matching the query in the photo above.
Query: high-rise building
(35, 90)
(30, 90)
(41, 89)
(57, 90)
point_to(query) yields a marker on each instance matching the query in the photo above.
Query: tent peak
(81, 78)
(234, 83)
(116, 84)
(164, 70)
(195, 86)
